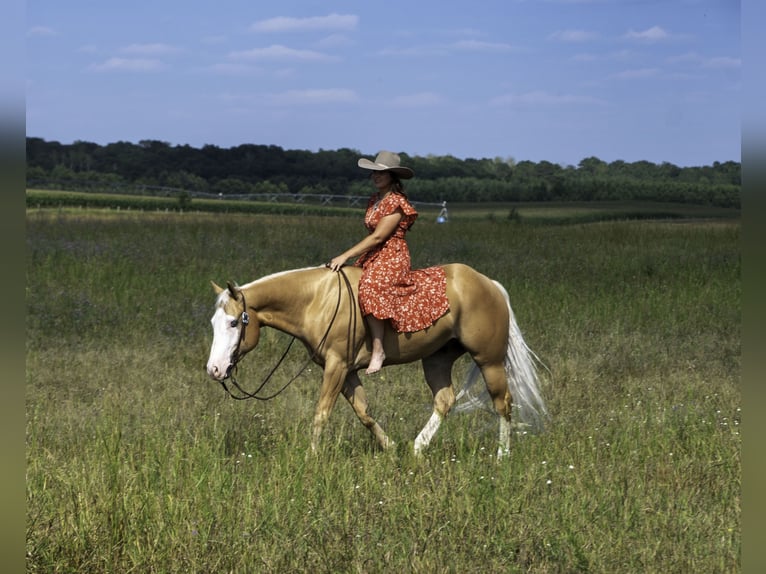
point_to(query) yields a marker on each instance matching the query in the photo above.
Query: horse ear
(233, 288)
(218, 290)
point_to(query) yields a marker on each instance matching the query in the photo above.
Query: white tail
(529, 411)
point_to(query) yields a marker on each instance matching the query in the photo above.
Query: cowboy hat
(387, 161)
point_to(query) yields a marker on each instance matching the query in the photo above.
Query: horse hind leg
(438, 373)
(497, 386)
(357, 398)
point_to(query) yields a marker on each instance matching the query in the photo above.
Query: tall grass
(136, 462)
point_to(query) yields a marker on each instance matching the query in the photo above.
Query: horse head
(235, 331)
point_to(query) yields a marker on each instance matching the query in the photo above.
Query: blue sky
(555, 80)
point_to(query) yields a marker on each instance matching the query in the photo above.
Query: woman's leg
(378, 355)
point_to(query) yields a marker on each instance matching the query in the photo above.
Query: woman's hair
(396, 184)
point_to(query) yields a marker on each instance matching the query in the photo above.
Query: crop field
(138, 462)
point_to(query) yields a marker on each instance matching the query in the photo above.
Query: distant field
(585, 212)
(136, 461)
(530, 212)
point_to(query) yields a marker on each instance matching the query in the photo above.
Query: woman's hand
(336, 263)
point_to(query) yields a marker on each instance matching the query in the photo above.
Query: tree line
(252, 168)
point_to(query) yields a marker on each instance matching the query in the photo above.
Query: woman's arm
(385, 228)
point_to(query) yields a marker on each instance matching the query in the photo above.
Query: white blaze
(225, 341)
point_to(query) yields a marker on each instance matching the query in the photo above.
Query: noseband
(244, 321)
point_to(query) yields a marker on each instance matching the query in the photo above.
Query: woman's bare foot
(376, 362)
(378, 354)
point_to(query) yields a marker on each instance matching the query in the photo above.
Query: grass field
(137, 462)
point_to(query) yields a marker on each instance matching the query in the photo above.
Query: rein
(243, 394)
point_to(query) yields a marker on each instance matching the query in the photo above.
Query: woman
(388, 288)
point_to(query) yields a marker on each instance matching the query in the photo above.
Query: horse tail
(529, 410)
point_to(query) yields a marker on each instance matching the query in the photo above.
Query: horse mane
(277, 274)
(223, 296)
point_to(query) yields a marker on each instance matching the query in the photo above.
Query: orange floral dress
(389, 288)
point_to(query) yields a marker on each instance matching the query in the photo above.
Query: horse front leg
(357, 398)
(332, 382)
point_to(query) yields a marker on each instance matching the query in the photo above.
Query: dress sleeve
(394, 201)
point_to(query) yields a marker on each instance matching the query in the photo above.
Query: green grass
(137, 462)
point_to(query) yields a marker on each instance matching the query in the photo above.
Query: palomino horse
(316, 307)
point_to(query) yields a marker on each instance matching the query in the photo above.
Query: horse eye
(234, 323)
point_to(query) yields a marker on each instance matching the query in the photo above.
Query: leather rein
(245, 320)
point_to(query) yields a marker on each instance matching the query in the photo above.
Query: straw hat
(387, 161)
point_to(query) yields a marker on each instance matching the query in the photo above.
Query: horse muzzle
(219, 373)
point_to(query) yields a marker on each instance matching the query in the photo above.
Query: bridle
(244, 321)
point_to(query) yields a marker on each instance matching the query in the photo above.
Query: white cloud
(128, 65)
(149, 49)
(314, 96)
(231, 69)
(413, 52)
(637, 74)
(291, 98)
(618, 56)
(479, 46)
(719, 63)
(334, 40)
(287, 24)
(540, 97)
(653, 34)
(572, 36)
(420, 100)
(41, 31)
(723, 63)
(277, 52)
(446, 49)
(687, 58)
